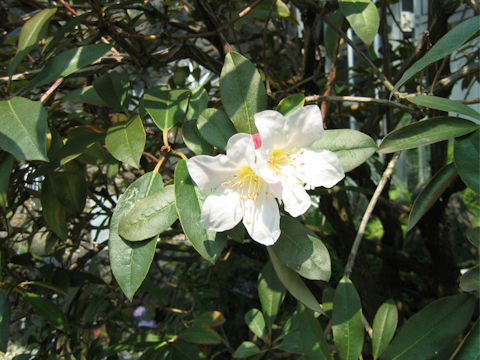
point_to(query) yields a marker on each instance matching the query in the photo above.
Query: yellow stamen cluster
(246, 183)
(280, 158)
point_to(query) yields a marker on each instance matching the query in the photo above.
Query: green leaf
(293, 283)
(425, 132)
(468, 349)
(4, 319)
(256, 323)
(61, 33)
(149, 216)
(242, 91)
(87, 95)
(264, 10)
(198, 103)
(215, 127)
(130, 261)
(188, 202)
(193, 139)
(443, 47)
(53, 211)
(328, 295)
(114, 89)
(352, 147)
(347, 323)
(332, 39)
(5, 171)
(470, 280)
(245, 350)
(291, 103)
(23, 128)
(439, 103)
(432, 328)
(200, 334)
(70, 187)
(166, 107)
(311, 337)
(270, 292)
(46, 309)
(32, 32)
(431, 193)
(211, 318)
(473, 235)
(301, 250)
(363, 18)
(466, 154)
(68, 62)
(126, 141)
(384, 325)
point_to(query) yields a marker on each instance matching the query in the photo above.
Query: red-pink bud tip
(257, 140)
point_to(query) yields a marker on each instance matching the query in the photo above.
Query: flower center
(278, 159)
(246, 183)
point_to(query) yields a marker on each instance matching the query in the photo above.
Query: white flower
(239, 192)
(285, 157)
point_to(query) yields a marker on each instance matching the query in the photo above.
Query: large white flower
(284, 156)
(239, 192)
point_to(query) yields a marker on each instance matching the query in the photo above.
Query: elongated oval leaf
(149, 216)
(197, 104)
(245, 350)
(53, 211)
(267, 9)
(194, 140)
(5, 171)
(384, 325)
(242, 91)
(301, 250)
(311, 336)
(293, 283)
(166, 107)
(87, 95)
(347, 323)
(363, 18)
(431, 193)
(200, 334)
(126, 141)
(70, 187)
(130, 261)
(114, 89)
(469, 347)
(466, 154)
(439, 103)
(256, 323)
(23, 128)
(4, 319)
(68, 62)
(432, 328)
(425, 132)
(46, 309)
(291, 103)
(445, 46)
(270, 292)
(215, 127)
(332, 38)
(189, 204)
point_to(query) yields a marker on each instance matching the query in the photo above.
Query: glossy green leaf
(4, 319)
(468, 349)
(68, 62)
(194, 140)
(384, 325)
(5, 171)
(32, 32)
(363, 18)
(126, 141)
(54, 212)
(299, 249)
(291, 103)
(470, 280)
(352, 147)
(443, 47)
(271, 293)
(114, 89)
(149, 216)
(444, 104)
(23, 128)
(211, 318)
(47, 309)
(245, 350)
(256, 323)
(347, 323)
(197, 104)
(130, 261)
(188, 202)
(432, 328)
(70, 187)
(200, 334)
(431, 193)
(215, 127)
(332, 39)
(311, 337)
(264, 10)
(425, 132)
(293, 283)
(54, 43)
(87, 95)
(466, 154)
(242, 91)
(166, 107)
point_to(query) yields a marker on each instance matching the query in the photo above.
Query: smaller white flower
(239, 193)
(285, 158)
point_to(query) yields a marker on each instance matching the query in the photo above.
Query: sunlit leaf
(363, 18)
(291, 103)
(384, 325)
(166, 107)
(270, 292)
(245, 350)
(444, 104)
(215, 127)
(194, 140)
(256, 323)
(470, 280)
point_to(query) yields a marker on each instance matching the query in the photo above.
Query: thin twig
(50, 90)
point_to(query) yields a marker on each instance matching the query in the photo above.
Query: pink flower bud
(257, 140)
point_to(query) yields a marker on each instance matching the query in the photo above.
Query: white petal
(209, 172)
(271, 126)
(318, 167)
(295, 198)
(304, 126)
(241, 149)
(262, 219)
(221, 210)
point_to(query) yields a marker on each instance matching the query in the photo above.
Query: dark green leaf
(5, 171)
(149, 216)
(210, 318)
(87, 95)
(290, 104)
(270, 292)
(432, 328)
(327, 301)
(23, 128)
(215, 127)
(189, 204)
(332, 39)
(439, 103)
(193, 139)
(468, 349)
(264, 10)
(425, 132)
(466, 154)
(473, 235)
(245, 350)
(242, 91)
(54, 212)
(470, 280)
(46, 309)
(363, 18)
(312, 339)
(198, 102)
(256, 323)
(70, 187)
(166, 107)
(384, 325)
(200, 334)
(4, 319)
(347, 323)
(301, 250)
(114, 89)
